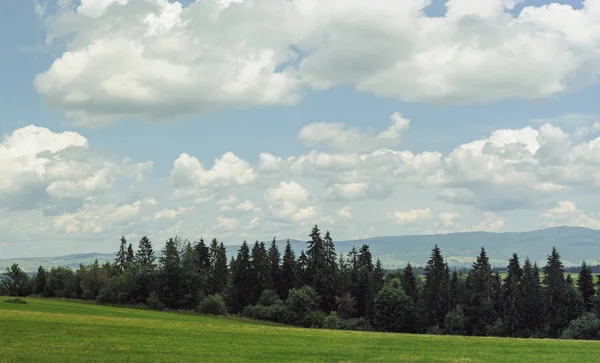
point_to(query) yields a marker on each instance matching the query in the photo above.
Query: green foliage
(346, 306)
(213, 305)
(16, 281)
(61, 283)
(154, 302)
(586, 326)
(277, 312)
(301, 303)
(333, 321)
(585, 284)
(455, 322)
(433, 308)
(268, 298)
(394, 311)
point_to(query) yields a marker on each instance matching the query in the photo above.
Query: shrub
(276, 313)
(301, 303)
(268, 298)
(313, 319)
(454, 324)
(585, 327)
(154, 302)
(332, 321)
(213, 305)
(15, 301)
(434, 330)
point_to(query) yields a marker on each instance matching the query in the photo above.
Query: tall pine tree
(433, 311)
(554, 294)
(585, 284)
(289, 271)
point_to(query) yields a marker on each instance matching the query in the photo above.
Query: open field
(61, 331)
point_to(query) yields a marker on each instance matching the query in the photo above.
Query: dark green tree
(241, 288)
(585, 284)
(219, 273)
(261, 271)
(274, 262)
(409, 282)
(16, 280)
(433, 310)
(121, 258)
(289, 271)
(130, 258)
(532, 297)
(513, 298)
(40, 281)
(190, 279)
(393, 310)
(145, 270)
(170, 275)
(554, 294)
(480, 310)
(302, 271)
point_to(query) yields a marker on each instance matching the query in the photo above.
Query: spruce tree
(288, 271)
(513, 298)
(274, 263)
(433, 311)
(241, 288)
(146, 268)
(191, 284)
(219, 274)
(554, 294)
(585, 284)
(203, 266)
(121, 258)
(39, 283)
(130, 258)
(480, 310)
(261, 271)
(302, 272)
(330, 281)
(316, 269)
(170, 275)
(409, 282)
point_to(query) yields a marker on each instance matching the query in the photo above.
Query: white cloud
(291, 202)
(157, 59)
(345, 212)
(229, 170)
(411, 217)
(567, 213)
(36, 162)
(93, 218)
(340, 137)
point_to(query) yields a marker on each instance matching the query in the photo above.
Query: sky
(254, 119)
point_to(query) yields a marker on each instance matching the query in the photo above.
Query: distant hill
(573, 243)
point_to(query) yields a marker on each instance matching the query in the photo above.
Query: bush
(268, 298)
(332, 321)
(301, 303)
(15, 301)
(585, 327)
(313, 319)
(434, 330)
(276, 313)
(154, 302)
(454, 324)
(213, 305)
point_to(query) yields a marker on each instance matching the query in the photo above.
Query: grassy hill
(62, 331)
(574, 244)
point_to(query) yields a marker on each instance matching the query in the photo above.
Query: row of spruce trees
(320, 288)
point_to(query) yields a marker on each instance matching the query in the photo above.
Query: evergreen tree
(531, 290)
(145, 265)
(170, 275)
(316, 269)
(274, 263)
(433, 311)
(39, 282)
(554, 294)
(130, 258)
(241, 288)
(513, 297)
(480, 310)
(330, 282)
(409, 282)
(121, 258)
(203, 266)
(219, 273)
(191, 282)
(261, 271)
(302, 271)
(363, 290)
(585, 284)
(288, 271)
(377, 277)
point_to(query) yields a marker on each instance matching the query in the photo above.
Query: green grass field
(61, 331)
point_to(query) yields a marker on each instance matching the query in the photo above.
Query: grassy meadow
(45, 330)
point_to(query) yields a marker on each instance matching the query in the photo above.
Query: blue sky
(483, 117)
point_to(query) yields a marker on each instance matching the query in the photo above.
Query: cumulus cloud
(566, 213)
(40, 164)
(229, 170)
(411, 217)
(291, 202)
(340, 137)
(159, 59)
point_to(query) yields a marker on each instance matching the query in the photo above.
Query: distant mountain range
(575, 244)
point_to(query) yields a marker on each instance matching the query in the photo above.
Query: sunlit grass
(62, 331)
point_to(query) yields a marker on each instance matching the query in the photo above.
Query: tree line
(321, 288)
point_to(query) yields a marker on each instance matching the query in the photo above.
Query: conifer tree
(433, 311)
(316, 269)
(513, 297)
(274, 263)
(531, 290)
(145, 268)
(130, 258)
(203, 266)
(363, 291)
(409, 282)
(190, 279)
(219, 273)
(554, 294)
(241, 288)
(121, 258)
(170, 275)
(288, 271)
(480, 310)
(585, 284)
(261, 271)
(302, 272)
(40, 280)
